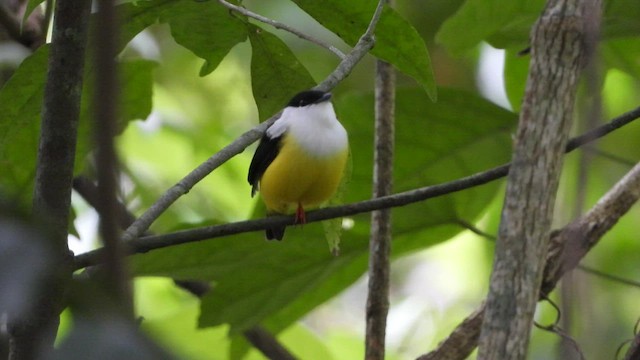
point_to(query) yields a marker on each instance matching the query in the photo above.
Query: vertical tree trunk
(560, 41)
(54, 171)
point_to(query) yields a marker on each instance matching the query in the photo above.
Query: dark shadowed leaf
(276, 73)
(206, 28)
(397, 42)
(20, 111)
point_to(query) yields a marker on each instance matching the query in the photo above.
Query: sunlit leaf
(516, 69)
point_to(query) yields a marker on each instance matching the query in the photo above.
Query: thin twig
(279, 25)
(380, 240)
(610, 277)
(609, 156)
(144, 244)
(237, 146)
(268, 345)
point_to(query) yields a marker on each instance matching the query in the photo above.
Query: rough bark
(380, 239)
(558, 53)
(54, 172)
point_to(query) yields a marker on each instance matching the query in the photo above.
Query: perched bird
(300, 159)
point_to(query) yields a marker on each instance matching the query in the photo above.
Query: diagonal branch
(236, 147)
(147, 243)
(567, 247)
(279, 25)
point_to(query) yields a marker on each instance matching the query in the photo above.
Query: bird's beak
(325, 97)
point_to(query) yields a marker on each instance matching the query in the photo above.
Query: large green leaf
(277, 282)
(477, 20)
(516, 69)
(20, 106)
(507, 24)
(20, 109)
(206, 28)
(276, 73)
(397, 42)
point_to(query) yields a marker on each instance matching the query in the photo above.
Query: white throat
(314, 127)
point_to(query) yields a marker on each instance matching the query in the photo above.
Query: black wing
(265, 153)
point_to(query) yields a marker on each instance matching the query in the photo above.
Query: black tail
(275, 233)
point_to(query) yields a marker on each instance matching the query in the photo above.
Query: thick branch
(54, 170)
(236, 147)
(144, 244)
(558, 53)
(380, 239)
(279, 25)
(567, 247)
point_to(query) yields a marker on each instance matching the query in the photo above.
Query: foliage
(213, 74)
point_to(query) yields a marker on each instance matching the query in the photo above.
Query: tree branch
(54, 172)
(105, 105)
(380, 240)
(236, 147)
(279, 25)
(558, 53)
(567, 247)
(147, 243)
(262, 340)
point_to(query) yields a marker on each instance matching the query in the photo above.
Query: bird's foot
(300, 215)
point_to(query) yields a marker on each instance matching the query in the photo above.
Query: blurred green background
(313, 300)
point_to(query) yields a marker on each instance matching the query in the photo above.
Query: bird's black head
(309, 97)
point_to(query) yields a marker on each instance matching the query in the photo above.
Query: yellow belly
(294, 177)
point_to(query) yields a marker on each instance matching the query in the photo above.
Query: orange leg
(300, 216)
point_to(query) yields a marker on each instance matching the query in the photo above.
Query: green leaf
(507, 24)
(136, 87)
(275, 283)
(622, 54)
(206, 28)
(21, 104)
(333, 227)
(516, 70)
(397, 42)
(620, 19)
(477, 20)
(276, 73)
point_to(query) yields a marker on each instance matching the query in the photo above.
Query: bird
(300, 159)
